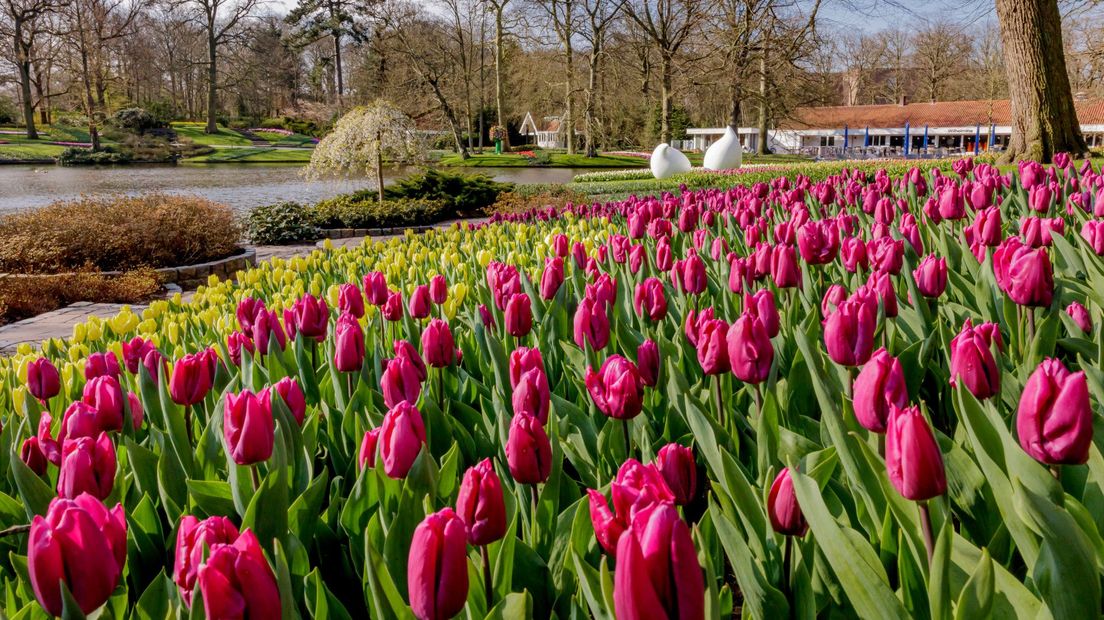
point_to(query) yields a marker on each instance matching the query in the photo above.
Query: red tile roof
(939, 114)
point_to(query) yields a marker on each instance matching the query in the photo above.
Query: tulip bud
(392, 309)
(486, 317)
(713, 347)
(658, 575)
(782, 507)
(531, 395)
(237, 342)
(973, 364)
(438, 347)
(267, 329)
(101, 364)
(819, 242)
(400, 382)
(194, 539)
(879, 385)
(33, 456)
(519, 315)
(79, 420)
(350, 301)
(87, 466)
(401, 437)
(43, 379)
(522, 360)
(246, 313)
(761, 305)
(437, 571)
(849, 332)
(750, 352)
(676, 464)
(617, 389)
(1023, 273)
(912, 456)
(137, 414)
(689, 275)
(528, 451)
(608, 528)
(1080, 316)
(638, 258)
(312, 317)
(248, 428)
(551, 278)
(368, 449)
(237, 581)
(288, 391)
(882, 284)
(348, 344)
(438, 289)
(647, 362)
(783, 267)
(853, 252)
(79, 543)
(375, 288)
(134, 351)
(480, 504)
(931, 276)
(592, 326)
(1092, 231)
(649, 300)
(1054, 420)
(104, 395)
(419, 302)
(190, 381)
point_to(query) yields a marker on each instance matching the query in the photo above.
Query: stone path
(59, 323)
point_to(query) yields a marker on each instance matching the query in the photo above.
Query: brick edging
(186, 276)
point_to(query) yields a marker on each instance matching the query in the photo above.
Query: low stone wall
(345, 233)
(186, 277)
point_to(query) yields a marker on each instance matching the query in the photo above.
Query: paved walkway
(59, 323)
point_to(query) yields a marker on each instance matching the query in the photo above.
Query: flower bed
(870, 394)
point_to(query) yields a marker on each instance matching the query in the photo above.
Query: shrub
(24, 297)
(79, 156)
(461, 193)
(364, 211)
(135, 120)
(281, 223)
(117, 233)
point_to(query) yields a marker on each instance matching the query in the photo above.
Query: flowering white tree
(362, 139)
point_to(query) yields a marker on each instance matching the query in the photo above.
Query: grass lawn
(29, 150)
(563, 160)
(295, 139)
(224, 137)
(253, 155)
(557, 160)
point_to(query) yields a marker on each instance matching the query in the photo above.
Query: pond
(242, 186)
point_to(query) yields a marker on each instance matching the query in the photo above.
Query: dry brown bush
(117, 233)
(24, 297)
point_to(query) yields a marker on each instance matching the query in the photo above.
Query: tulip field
(870, 395)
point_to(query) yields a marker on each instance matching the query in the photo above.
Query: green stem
(188, 424)
(720, 400)
(15, 529)
(488, 579)
(926, 528)
(256, 478)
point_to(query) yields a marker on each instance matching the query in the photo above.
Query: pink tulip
(481, 505)
(913, 459)
(750, 352)
(528, 451)
(237, 581)
(350, 301)
(100, 365)
(1080, 316)
(592, 327)
(879, 385)
(647, 362)
(402, 435)
(552, 278)
(1054, 420)
(194, 540)
(438, 289)
(87, 466)
(519, 315)
(438, 347)
(658, 575)
(437, 570)
(248, 428)
(617, 389)
(649, 300)
(368, 448)
(348, 344)
(531, 395)
(676, 464)
(849, 333)
(931, 276)
(785, 513)
(400, 382)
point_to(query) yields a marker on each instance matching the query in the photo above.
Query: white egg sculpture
(724, 154)
(668, 161)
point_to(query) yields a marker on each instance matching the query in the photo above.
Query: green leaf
(154, 602)
(939, 586)
(859, 573)
(516, 606)
(976, 598)
(35, 493)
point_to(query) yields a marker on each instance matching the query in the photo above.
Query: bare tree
(498, 9)
(668, 24)
(600, 15)
(22, 23)
(862, 55)
(462, 14)
(313, 19)
(941, 54)
(565, 24)
(91, 26)
(219, 20)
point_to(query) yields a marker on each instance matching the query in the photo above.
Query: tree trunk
(89, 101)
(588, 103)
(379, 163)
(734, 109)
(212, 81)
(338, 70)
(500, 114)
(665, 97)
(569, 94)
(1044, 121)
(42, 91)
(763, 146)
(23, 63)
